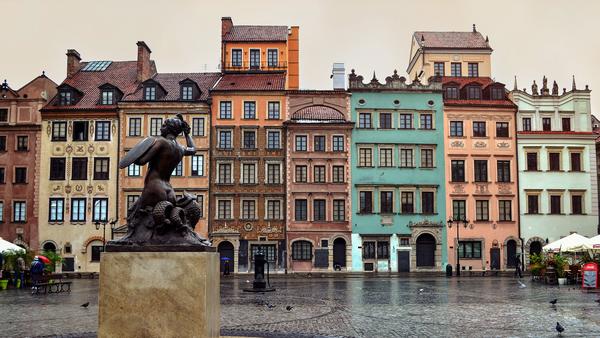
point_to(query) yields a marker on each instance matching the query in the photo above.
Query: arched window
(302, 251)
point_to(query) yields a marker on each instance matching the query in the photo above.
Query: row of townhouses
(403, 174)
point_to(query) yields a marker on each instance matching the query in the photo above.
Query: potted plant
(537, 265)
(560, 263)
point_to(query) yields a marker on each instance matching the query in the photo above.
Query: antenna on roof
(487, 40)
(422, 38)
(474, 29)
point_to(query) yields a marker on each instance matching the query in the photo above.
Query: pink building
(318, 221)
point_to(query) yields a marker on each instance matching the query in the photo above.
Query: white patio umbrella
(6, 245)
(595, 242)
(572, 243)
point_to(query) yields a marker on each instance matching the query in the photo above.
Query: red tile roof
(170, 82)
(256, 33)
(451, 40)
(249, 82)
(463, 81)
(318, 113)
(557, 132)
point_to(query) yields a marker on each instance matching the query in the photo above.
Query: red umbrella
(44, 259)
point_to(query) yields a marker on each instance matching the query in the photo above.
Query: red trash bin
(589, 278)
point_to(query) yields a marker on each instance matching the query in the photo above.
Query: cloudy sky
(530, 38)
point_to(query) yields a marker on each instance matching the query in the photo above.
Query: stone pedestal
(159, 294)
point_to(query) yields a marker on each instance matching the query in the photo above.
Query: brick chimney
(143, 62)
(226, 24)
(73, 62)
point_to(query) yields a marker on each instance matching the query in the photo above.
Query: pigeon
(421, 290)
(85, 305)
(559, 328)
(553, 302)
(270, 306)
(289, 308)
(521, 285)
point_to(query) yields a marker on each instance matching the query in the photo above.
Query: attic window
(473, 92)
(96, 66)
(497, 93)
(65, 98)
(451, 93)
(108, 97)
(187, 92)
(150, 93)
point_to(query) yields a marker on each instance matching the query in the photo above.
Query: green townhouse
(398, 185)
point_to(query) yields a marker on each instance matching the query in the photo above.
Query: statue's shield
(138, 151)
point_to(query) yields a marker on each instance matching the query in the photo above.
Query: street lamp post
(464, 222)
(103, 223)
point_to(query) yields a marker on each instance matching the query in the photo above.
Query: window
(459, 210)
(473, 69)
(187, 92)
(426, 121)
(386, 203)
(249, 173)
(404, 241)
(368, 250)
(364, 121)
(197, 165)
(107, 97)
(526, 124)
(577, 204)
(339, 210)
(473, 92)
(319, 174)
(273, 111)
(427, 158)
(555, 207)
(497, 93)
(19, 211)
(100, 209)
(319, 210)
(383, 249)
(554, 159)
(249, 110)
(101, 167)
(178, 171)
(300, 210)
(57, 210)
(273, 173)
(96, 252)
(254, 58)
(198, 126)
(272, 58)
(236, 57)
(78, 210)
(338, 174)
(385, 121)
(532, 163)
(64, 98)
(2, 143)
(301, 142)
(566, 124)
(406, 158)
(438, 69)
(135, 126)
(225, 141)
(1, 211)
(505, 210)
(3, 115)
(407, 202)
(273, 209)
(225, 110)
(2, 175)
(80, 130)
(479, 129)
(501, 129)
(533, 204)
(224, 170)
(427, 202)
(155, 125)
(249, 137)
(406, 121)
(133, 170)
(469, 249)
(503, 171)
(200, 201)
(456, 128)
(575, 161)
(338, 143)
(302, 251)
(131, 199)
(57, 168)
(482, 211)
(481, 171)
(224, 209)
(458, 170)
(79, 170)
(20, 175)
(319, 143)
(301, 174)
(22, 143)
(386, 157)
(248, 209)
(546, 124)
(150, 93)
(273, 139)
(455, 69)
(366, 202)
(451, 93)
(365, 157)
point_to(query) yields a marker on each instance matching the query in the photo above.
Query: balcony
(258, 67)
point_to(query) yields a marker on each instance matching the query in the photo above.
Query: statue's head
(173, 126)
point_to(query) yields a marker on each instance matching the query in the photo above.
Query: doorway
(339, 253)
(511, 253)
(404, 261)
(225, 249)
(495, 258)
(425, 251)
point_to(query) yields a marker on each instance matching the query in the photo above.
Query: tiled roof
(555, 132)
(463, 81)
(256, 33)
(451, 40)
(248, 82)
(318, 113)
(480, 103)
(121, 74)
(170, 82)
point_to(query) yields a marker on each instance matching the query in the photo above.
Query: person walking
(518, 270)
(37, 271)
(21, 271)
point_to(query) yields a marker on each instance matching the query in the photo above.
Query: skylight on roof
(96, 66)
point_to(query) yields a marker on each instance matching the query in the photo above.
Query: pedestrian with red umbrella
(37, 269)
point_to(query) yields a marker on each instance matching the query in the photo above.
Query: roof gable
(451, 40)
(243, 33)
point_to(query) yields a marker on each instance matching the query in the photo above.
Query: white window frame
(218, 174)
(217, 214)
(242, 165)
(266, 181)
(242, 217)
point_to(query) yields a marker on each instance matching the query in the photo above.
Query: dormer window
(187, 92)
(150, 93)
(451, 93)
(474, 93)
(108, 97)
(65, 98)
(497, 93)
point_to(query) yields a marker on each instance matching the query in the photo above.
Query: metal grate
(96, 66)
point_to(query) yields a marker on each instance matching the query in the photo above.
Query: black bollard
(260, 284)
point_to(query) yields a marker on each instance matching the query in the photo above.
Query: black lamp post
(103, 223)
(464, 222)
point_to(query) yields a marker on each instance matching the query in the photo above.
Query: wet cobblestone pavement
(343, 307)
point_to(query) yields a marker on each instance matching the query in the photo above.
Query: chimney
(143, 61)
(73, 62)
(226, 25)
(338, 74)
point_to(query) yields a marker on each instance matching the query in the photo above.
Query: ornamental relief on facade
(270, 229)
(504, 145)
(58, 149)
(68, 188)
(504, 188)
(56, 188)
(480, 144)
(457, 144)
(482, 188)
(458, 189)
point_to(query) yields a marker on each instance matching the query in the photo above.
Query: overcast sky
(530, 38)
